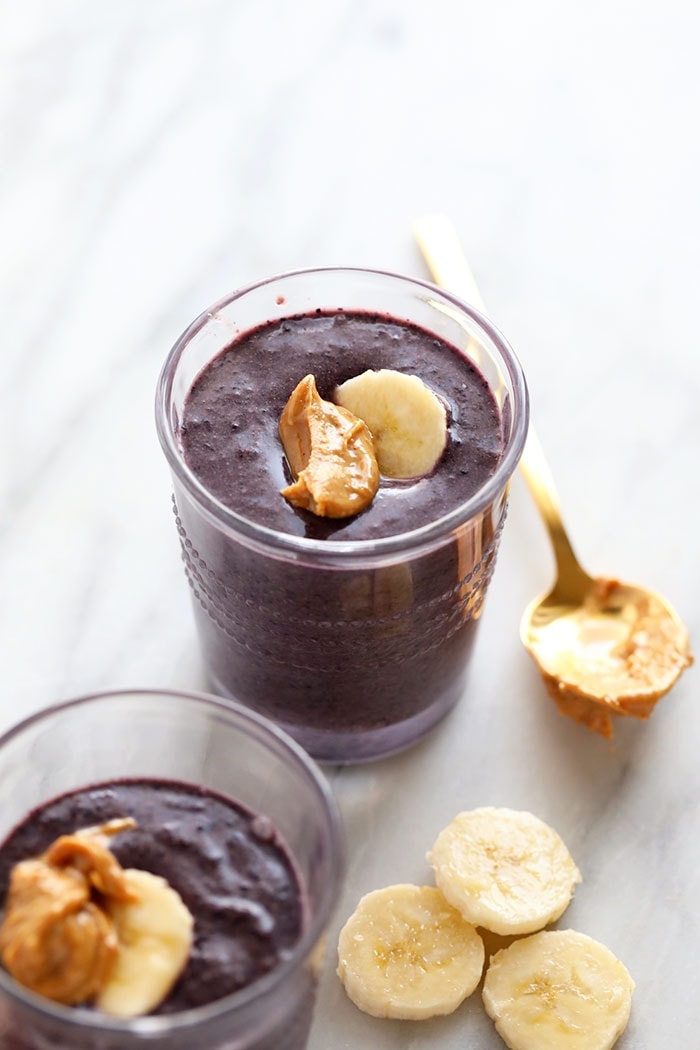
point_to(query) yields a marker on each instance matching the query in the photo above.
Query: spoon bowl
(615, 651)
(603, 648)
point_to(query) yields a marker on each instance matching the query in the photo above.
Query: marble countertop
(156, 156)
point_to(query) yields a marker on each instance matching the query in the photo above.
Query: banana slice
(558, 990)
(406, 953)
(155, 937)
(407, 420)
(504, 870)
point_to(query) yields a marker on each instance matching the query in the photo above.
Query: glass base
(351, 747)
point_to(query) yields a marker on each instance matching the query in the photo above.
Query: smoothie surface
(229, 431)
(228, 865)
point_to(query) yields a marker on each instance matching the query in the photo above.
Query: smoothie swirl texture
(228, 865)
(229, 430)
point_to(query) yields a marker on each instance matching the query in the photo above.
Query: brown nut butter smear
(55, 939)
(619, 665)
(330, 453)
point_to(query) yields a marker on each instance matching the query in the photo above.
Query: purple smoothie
(352, 634)
(229, 431)
(228, 865)
(370, 672)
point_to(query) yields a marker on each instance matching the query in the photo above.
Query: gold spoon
(603, 647)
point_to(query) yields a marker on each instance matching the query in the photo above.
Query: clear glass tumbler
(356, 648)
(199, 740)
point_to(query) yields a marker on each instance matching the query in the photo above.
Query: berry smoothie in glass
(169, 863)
(351, 630)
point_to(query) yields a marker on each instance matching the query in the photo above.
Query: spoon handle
(449, 268)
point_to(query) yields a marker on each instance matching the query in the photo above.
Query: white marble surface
(156, 155)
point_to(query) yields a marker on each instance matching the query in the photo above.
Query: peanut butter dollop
(55, 939)
(330, 453)
(596, 665)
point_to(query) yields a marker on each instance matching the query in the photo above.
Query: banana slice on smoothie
(504, 869)
(558, 990)
(407, 420)
(155, 933)
(406, 953)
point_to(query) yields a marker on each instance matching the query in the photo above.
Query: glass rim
(152, 1026)
(346, 550)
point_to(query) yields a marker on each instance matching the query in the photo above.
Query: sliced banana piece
(558, 990)
(407, 420)
(155, 938)
(406, 953)
(503, 869)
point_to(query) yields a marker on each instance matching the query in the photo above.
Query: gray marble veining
(155, 156)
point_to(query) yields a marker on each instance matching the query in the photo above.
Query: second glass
(204, 742)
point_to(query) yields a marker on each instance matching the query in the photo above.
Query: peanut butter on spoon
(603, 648)
(615, 652)
(330, 453)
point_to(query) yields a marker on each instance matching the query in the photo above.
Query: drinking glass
(356, 648)
(197, 739)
